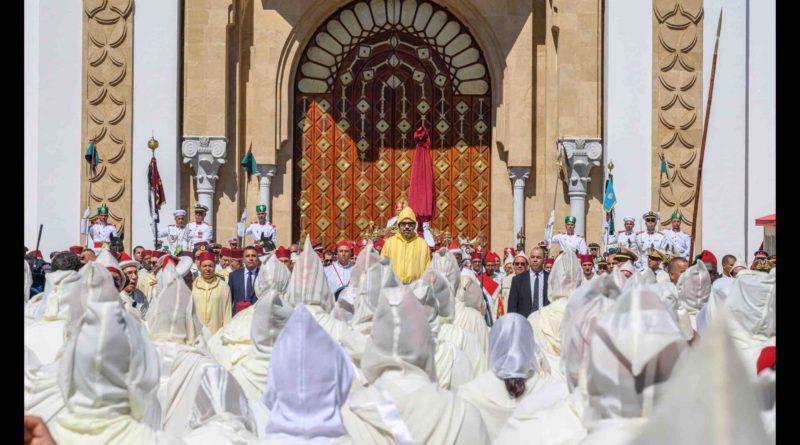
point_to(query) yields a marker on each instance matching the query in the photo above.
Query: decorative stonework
(677, 103)
(519, 175)
(582, 154)
(107, 117)
(265, 174)
(206, 154)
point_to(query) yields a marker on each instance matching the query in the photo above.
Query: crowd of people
(396, 341)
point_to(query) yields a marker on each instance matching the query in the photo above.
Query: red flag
(156, 188)
(421, 190)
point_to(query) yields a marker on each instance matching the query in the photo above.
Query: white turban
(512, 348)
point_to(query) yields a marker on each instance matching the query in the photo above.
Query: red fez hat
(283, 253)
(363, 243)
(476, 255)
(201, 243)
(378, 244)
(35, 254)
(491, 257)
(146, 253)
(260, 250)
(356, 251)
(549, 261)
(766, 359)
(236, 254)
(156, 254)
(125, 260)
(225, 251)
(189, 254)
(76, 250)
(206, 256)
(708, 256)
(345, 244)
(586, 259)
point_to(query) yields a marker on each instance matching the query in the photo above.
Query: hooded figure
(231, 344)
(377, 273)
(709, 399)
(513, 372)
(634, 348)
(751, 303)
(305, 399)
(564, 278)
(694, 288)
(45, 334)
(552, 413)
(309, 286)
(176, 335)
(28, 282)
(404, 404)
(719, 295)
(108, 375)
(344, 308)
(410, 255)
(470, 315)
(269, 318)
(221, 414)
(453, 368)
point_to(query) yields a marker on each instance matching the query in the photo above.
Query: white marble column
(583, 154)
(519, 175)
(206, 153)
(265, 174)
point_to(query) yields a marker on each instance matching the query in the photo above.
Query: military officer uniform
(176, 236)
(574, 241)
(101, 232)
(624, 238)
(256, 229)
(649, 240)
(676, 240)
(199, 233)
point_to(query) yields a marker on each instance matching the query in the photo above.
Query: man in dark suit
(529, 289)
(242, 281)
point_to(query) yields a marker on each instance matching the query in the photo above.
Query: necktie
(249, 291)
(536, 293)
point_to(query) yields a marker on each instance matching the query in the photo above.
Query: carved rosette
(108, 29)
(677, 103)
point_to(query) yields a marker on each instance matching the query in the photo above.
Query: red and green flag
(91, 156)
(249, 162)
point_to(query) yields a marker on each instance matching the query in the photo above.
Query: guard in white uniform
(101, 231)
(650, 238)
(675, 240)
(575, 241)
(199, 231)
(338, 273)
(257, 228)
(625, 238)
(175, 234)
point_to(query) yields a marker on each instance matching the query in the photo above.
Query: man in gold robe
(410, 253)
(212, 296)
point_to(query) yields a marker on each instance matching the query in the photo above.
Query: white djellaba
(108, 375)
(28, 282)
(42, 394)
(309, 286)
(309, 379)
(345, 307)
(176, 335)
(512, 355)
(634, 349)
(719, 294)
(231, 344)
(751, 304)
(453, 368)
(45, 333)
(709, 399)
(403, 403)
(565, 276)
(694, 288)
(470, 316)
(370, 273)
(552, 414)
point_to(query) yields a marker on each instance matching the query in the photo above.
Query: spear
(705, 135)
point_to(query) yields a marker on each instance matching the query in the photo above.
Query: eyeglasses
(520, 264)
(407, 224)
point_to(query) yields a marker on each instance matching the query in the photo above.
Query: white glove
(244, 216)
(87, 213)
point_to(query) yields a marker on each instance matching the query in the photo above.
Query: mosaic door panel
(369, 78)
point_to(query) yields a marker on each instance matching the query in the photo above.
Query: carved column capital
(206, 154)
(583, 154)
(519, 175)
(265, 172)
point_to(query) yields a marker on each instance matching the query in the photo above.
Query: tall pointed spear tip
(719, 24)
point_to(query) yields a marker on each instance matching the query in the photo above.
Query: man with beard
(409, 253)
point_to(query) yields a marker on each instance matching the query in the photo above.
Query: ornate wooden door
(369, 78)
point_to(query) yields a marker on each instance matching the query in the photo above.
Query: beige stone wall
(677, 107)
(528, 92)
(107, 108)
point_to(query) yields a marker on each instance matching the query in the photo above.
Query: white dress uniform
(198, 233)
(338, 276)
(625, 239)
(678, 240)
(575, 241)
(645, 240)
(101, 233)
(255, 230)
(175, 236)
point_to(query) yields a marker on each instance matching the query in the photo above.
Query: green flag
(664, 166)
(249, 162)
(91, 156)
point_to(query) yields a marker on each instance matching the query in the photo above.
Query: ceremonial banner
(421, 188)
(249, 162)
(91, 157)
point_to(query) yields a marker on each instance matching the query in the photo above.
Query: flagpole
(89, 196)
(703, 144)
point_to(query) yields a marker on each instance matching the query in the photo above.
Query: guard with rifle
(176, 233)
(258, 229)
(101, 232)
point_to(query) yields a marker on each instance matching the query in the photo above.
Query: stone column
(265, 173)
(583, 154)
(206, 153)
(519, 175)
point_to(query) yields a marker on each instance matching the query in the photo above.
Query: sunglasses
(520, 264)
(407, 224)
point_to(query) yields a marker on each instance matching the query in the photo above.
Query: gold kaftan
(213, 303)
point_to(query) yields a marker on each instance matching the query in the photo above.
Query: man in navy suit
(529, 289)
(242, 280)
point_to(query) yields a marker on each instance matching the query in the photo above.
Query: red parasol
(421, 189)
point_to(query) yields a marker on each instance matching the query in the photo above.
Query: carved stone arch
(369, 75)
